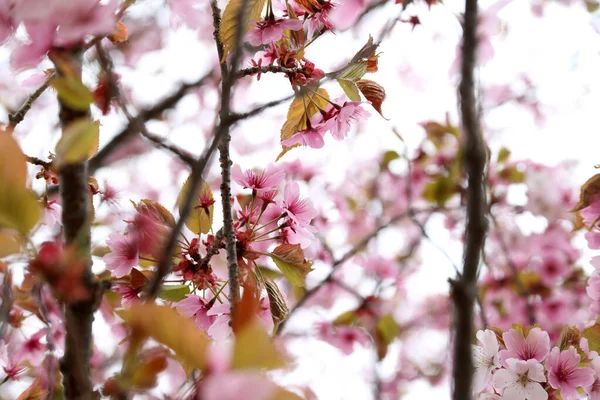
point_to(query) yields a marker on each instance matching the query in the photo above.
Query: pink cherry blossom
(564, 374)
(485, 358)
(123, 254)
(299, 212)
(520, 380)
(593, 290)
(342, 337)
(260, 181)
(271, 30)
(312, 136)
(235, 385)
(346, 14)
(535, 346)
(195, 306)
(128, 294)
(52, 213)
(593, 240)
(593, 390)
(339, 124)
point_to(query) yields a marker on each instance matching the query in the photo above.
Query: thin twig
(106, 64)
(99, 160)
(17, 117)
(464, 290)
(37, 161)
(351, 253)
(233, 117)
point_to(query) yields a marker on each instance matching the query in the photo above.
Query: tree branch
(351, 253)
(133, 126)
(264, 69)
(228, 80)
(75, 197)
(464, 289)
(17, 117)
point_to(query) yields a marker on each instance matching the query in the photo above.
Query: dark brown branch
(17, 117)
(133, 126)
(37, 161)
(464, 290)
(106, 64)
(228, 80)
(79, 316)
(7, 301)
(264, 69)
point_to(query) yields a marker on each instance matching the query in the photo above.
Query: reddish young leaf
(373, 92)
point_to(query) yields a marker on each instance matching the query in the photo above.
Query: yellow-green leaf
(592, 334)
(10, 242)
(19, 208)
(350, 89)
(302, 108)
(79, 140)
(440, 190)
(201, 217)
(290, 260)
(174, 292)
(229, 21)
(167, 326)
(254, 349)
(13, 168)
(72, 92)
(387, 329)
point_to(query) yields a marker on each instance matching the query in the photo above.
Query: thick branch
(75, 197)
(228, 80)
(475, 155)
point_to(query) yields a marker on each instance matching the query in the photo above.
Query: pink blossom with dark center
(535, 346)
(123, 254)
(564, 374)
(299, 211)
(264, 180)
(271, 30)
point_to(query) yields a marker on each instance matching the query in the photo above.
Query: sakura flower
(593, 240)
(300, 212)
(52, 213)
(564, 374)
(346, 14)
(312, 136)
(342, 337)
(593, 390)
(271, 30)
(261, 181)
(128, 294)
(195, 306)
(535, 346)
(521, 380)
(123, 256)
(485, 359)
(593, 290)
(339, 124)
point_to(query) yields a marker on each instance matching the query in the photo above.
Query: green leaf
(592, 334)
(13, 166)
(229, 21)
(254, 349)
(78, 142)
(201, 218)
(503, 154)
(387, 329)
(10, 242)
(72, 92)
(440, 190)
(174, 292)
(19, 208)
(350, 89)
(167, 326)
(290, 260)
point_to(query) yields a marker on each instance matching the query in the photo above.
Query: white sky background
(560, 52)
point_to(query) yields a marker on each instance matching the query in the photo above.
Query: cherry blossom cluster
(519, 364)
